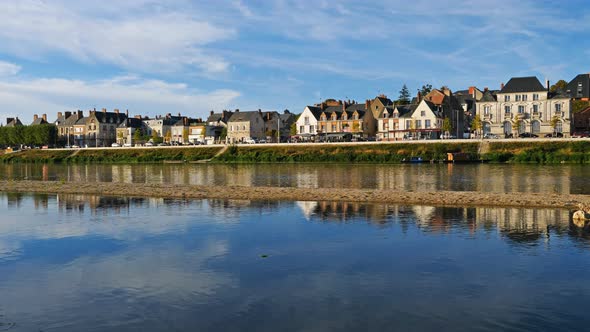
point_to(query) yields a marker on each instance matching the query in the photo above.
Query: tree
(356, 127)
(185, 135)
(223, 133)
(560, 85)
(404, 96)
(447, 127)
(425, 89)
(516, 125)
(168, 136)
(554, 121)
(476, 123)
(293, 129)
(137, 136)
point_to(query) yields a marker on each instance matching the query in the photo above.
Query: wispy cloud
(8, 69)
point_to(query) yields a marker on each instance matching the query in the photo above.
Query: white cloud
(8, 69)
(152, 39)
(141, 96)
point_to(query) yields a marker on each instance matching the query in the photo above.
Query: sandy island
(441, 198)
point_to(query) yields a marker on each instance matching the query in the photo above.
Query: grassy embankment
(154, 155)
(501, 152)
(554, 152)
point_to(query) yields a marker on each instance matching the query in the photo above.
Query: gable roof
(523, 84)
(38, 121)
(315, 111)
(406, 111)
(220, 117)
(131, 123)
(244, 116)
(572, 86)
(13, 122)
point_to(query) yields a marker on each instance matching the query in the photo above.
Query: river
(91, 263)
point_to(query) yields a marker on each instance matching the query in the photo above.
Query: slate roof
(316, 111)
(244, 116)
(488, 96)
(573, 86)
(523, 84)
(14, 122)
(385, 101)
(406, 111)
(216, 117)
(131, 123)
(109, 117)
(38, 121)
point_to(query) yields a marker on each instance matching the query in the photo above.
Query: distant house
(160, 126)
(390, 122)
(287, 120)
(219, 119)
(39, 120)
(101, 127)
(524, 105)
(246, 125)
(65, 127)
(307, 123)
(579, 87)
(353, 119)
(13, 122)
(180, 131)
(126, 130)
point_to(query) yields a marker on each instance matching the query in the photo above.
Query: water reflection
(478, 177)
(71, 263)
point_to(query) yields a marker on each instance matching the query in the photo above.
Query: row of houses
(103, 128)
(522, 105)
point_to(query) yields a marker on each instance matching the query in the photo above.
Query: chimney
(485, 89)
(419, 97)
(104, 110)
(185, 121)
(237, 110)
(59, 114)
(138, 117)
(223, 114)
(116, 111)
(259, 111)
(367, 104)
(212, 112)
(502, 86)
(343, 106)
(35, 117)
(323, 106)
(178, 113)
(548, 84)
(68, 114)
(127, 113)
(44, 116)
(80, 114)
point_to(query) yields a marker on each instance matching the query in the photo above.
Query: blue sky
(155, 56)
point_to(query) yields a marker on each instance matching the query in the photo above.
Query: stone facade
(243, 126)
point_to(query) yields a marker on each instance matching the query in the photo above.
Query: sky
(190, 57)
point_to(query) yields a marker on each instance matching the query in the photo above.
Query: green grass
(540, 153)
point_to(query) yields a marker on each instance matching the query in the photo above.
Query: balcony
(508, 115)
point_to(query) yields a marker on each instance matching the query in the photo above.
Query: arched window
(536, 127)
(486, 128)
(559, 127)
(507, 127)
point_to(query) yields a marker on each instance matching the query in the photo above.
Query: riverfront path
(441, 198)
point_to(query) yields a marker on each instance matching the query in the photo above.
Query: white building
(525, 103)
(307, 124)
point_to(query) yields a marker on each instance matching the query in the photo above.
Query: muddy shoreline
(442, 198)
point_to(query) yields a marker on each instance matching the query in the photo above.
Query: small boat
(413, 160)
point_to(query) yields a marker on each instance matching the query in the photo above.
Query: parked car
(580, 134)
(75, 146)
(163, 144)
(127, 145)
(262, 141)
(115, 145)
(527, 135)
(250, 141)
(149, 144)
(555, 135)
(490, 136)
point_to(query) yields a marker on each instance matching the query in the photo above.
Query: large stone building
(101, 127)
(524, 105)
(243, 126)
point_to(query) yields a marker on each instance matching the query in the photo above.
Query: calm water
(479, 177)
(84, 263)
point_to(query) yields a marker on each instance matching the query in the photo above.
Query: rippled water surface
(85, 263)
(424, 177)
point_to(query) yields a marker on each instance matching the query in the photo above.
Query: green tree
(185, 135)
(137, 136)
(476, 124)
(516, 125)
(447, 127)
(553, 123)
(293, 129)
(560, 85)
(404, 96)
(223, 135)
(425, 89)
(356, 127)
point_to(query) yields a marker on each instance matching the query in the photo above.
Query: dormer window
(385, 115)
(355, 116)
(344, 116)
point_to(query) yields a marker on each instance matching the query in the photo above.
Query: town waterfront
(499, 178)
(72, 263)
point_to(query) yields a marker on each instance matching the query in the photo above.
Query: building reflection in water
(428, 177)
(515, 224)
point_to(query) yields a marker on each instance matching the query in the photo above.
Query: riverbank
(441, 198)
(543, 151)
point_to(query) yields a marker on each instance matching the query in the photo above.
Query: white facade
(307, 123)
(423, 121)
(534, 110)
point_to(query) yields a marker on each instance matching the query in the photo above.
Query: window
(408, 124)
(385, 115)
(311, 129)
(487, 109)
(244, 127)
(535, 108)
(426, 123)
(344, 117)
(517, 98)
(535, 96)
(301, 129)
(422, 113)
(507, 109)
(524, 97)
(231, 128)
(333, 128)
(559, 127)
(557, 108)
(520, 109)
(506, 98)
(306, 120)
(536, 127)
(418, 124)
(355, 116)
